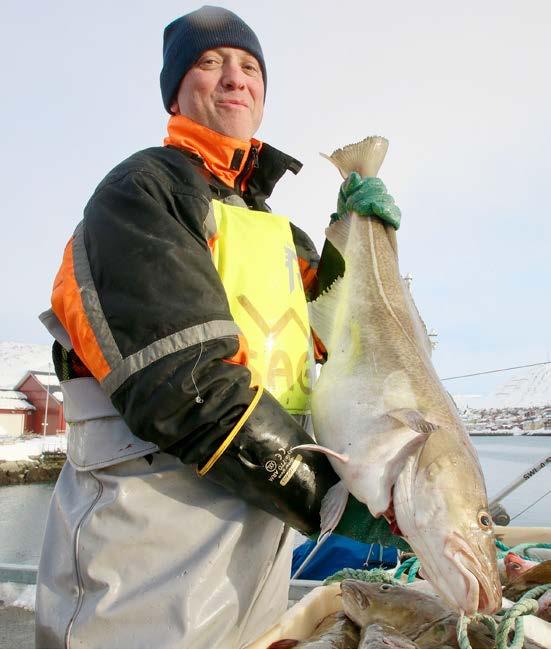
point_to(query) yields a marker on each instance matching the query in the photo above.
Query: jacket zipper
(252, 163)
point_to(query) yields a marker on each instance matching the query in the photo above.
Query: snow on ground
(17, 595)
(23, 448)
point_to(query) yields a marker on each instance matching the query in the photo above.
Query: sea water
(23, 508)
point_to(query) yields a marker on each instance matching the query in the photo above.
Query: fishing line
(505, 369)
(529, 506)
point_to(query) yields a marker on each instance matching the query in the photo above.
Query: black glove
(260, 467)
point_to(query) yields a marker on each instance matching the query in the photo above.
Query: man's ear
(174, 107)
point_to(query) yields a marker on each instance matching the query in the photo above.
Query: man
(184, 350)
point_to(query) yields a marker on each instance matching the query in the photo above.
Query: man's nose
(233, 76)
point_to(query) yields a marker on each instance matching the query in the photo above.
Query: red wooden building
(43, 392)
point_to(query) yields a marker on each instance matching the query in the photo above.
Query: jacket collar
(257, 165)
(224, 156)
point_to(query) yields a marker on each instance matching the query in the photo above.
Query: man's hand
(367, 197)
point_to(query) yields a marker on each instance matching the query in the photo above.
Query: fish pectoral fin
(386, 458)
(332, 507)
(413, 419)
(321, 449)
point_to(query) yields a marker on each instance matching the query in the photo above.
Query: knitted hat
(186, 38)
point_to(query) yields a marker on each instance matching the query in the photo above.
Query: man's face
(224, 91)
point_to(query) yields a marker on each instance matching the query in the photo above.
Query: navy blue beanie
(186, 38)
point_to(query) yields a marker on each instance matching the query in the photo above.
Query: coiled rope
(465, 621)
(375, 575)
(521, 549)
(514, 617)
(410, 567)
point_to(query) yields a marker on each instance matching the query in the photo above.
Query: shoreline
(44, 468)
(510, 434)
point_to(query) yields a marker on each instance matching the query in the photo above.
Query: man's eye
(251, 68)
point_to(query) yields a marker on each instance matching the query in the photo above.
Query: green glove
(358, 524)
(367, 197)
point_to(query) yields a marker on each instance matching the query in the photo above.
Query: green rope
(502, 547)
(514, 617)
(526, 605)
(375, 575)
(465, 621)
(536, 592)
(521, 549)
(410, 565)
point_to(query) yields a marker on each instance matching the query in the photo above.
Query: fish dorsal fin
(338, 232)
(323, 311)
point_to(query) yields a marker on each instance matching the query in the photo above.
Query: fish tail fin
(365, 157)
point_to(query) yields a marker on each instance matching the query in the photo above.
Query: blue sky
(460, 91)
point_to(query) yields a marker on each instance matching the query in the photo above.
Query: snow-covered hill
(18, 358)
(529, 388)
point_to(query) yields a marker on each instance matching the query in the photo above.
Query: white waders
(142, 554)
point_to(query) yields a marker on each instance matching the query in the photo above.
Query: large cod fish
(380, 412)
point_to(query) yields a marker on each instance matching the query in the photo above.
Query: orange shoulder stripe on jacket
(241, 356)
(309, 276)
(307, 273)
(68, 307)
(320, 353)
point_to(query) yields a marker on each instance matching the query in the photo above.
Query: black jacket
(150, 265)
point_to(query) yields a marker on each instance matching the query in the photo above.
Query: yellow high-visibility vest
(256, 259)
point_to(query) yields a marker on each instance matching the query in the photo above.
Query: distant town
(508, 421)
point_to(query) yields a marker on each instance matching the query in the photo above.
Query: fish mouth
(390, 516)
(350, 591)
(479, 594)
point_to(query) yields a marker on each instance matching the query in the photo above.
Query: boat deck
(16, 628)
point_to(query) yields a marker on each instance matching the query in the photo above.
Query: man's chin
(236, 130)
(234, 122)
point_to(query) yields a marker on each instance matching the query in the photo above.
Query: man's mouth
(232, 103)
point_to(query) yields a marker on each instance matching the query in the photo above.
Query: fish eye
(485, 520)
(385, 587)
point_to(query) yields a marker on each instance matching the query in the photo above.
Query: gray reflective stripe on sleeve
(90, 301)
(168, 345)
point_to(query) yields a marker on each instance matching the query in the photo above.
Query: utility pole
(45, 423)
